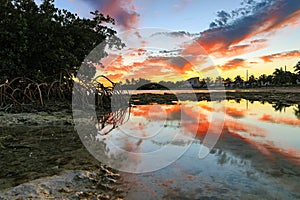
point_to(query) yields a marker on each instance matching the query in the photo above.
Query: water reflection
(256, 157)
(252, 159)
(280, 107)
(253, 126)
(297, 111)
(258, 153)
(169, 98)
(108, 120)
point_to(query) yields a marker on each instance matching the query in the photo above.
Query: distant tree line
(279, 77)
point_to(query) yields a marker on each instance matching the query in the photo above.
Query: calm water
(257, 154)
(256, 157)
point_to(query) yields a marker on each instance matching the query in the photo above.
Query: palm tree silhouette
(279, 76)
(297, 68)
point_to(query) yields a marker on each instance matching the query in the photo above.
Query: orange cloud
(282, 55)
(237, 126)
(220, 48)
(173, 111)
(206, 107)
(113, 63)
(269, 118)
(233, 64)
(179, 64)
(206, 69)
(114, 77)
(149, 68)
(142, 110)
(234, 112)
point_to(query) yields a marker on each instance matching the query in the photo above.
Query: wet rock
(67, 185)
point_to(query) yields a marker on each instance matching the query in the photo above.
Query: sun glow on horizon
(255, 40)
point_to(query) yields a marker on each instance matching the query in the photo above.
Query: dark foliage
(42, 47)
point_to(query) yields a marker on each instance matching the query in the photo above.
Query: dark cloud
(261, 17)
(249, 7)
(176, 34)
(223, 18)
(173, 52)
(178, 62)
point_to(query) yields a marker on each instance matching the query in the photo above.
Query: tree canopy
(45, 43)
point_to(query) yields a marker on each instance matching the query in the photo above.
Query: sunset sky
(178, 39)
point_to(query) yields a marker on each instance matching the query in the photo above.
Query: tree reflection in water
(112, 108)
(108, 121)
(280, 106)
(297, 111)
(102, 106)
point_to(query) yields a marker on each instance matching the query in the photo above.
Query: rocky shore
(101, 183)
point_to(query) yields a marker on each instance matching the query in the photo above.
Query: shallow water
(257, 155)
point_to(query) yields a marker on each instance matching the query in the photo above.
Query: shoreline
(273, 95)
(284, 96)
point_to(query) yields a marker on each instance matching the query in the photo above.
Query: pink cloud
(123, 11)
(280, 120)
